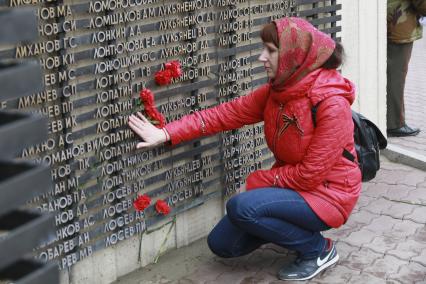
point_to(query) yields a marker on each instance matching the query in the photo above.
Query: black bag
(368, 143)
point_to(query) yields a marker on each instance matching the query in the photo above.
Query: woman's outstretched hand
(150, 134)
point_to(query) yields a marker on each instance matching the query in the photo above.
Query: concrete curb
(400, 155)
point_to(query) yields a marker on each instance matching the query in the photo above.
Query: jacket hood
(302, 49)
(317, 86)
(328, 83)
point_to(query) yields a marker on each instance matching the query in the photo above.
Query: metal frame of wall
(22, 228)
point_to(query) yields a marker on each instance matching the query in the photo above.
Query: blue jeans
(268, 215)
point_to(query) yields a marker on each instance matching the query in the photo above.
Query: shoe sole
(321, 268)
(404, 135)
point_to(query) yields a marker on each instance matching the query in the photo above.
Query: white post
(364, 39)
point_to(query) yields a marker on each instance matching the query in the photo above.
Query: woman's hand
(150, 134)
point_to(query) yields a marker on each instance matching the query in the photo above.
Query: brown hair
(269, 34)
(336, 58)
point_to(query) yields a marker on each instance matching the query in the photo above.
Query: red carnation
(162, 207)
(160, 118)
(163, 77)
(149, 110)
(142, 202)
(147, 97)
(174, 67)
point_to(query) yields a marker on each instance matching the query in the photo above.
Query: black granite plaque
(97, 55)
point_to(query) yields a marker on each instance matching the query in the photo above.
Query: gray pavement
(384, 241)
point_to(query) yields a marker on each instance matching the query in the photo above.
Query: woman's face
(269, 57)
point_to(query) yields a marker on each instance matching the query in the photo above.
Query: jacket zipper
(277, 127)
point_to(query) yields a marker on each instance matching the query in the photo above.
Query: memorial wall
(97, 56)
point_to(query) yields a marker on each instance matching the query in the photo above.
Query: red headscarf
(302, 49)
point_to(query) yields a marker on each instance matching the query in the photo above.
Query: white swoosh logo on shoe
(320, 261)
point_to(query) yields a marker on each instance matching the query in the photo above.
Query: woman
(311, 187)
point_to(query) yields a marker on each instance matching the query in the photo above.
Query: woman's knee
(240, 208)
(218, 246)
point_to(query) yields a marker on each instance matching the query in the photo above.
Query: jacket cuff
(172, 134)
(262, 178)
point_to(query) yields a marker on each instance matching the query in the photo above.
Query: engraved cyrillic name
(223, 3)
(235, 76)
(38, 98)
(184, 194)
(235, 26)
(118, 18)
(61, 124)
(242, 172)
(234, 88)
(59, 76)
(46, 13)
(182, 103)
(56, 110)
(113, 94)
(247, 133)
(116, 108)
(53, 62)
(141, 170)
(64, 247)
(239, 149)
(125, 233)
(181, 22)
(115, 151)
(124, 62)
(174, 116)
(185, 7)
(188, 167)
(182, 48)
(124, 47)
(14, 3)
(243, 160)
(49, 29)
(39, 48)
(181, 36)
(188, 181)
(234, 38)
(111, 124)
(108, 140)
(63, 155)
(111, 5)
(282, 5)
(63, 202)
(114, 79)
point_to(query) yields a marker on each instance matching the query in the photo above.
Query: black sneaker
(403, 131)
(307, 269)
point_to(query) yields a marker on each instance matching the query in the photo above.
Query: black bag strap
(314, 110)
(348, 155)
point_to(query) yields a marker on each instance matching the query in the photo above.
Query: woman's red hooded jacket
(308, 158)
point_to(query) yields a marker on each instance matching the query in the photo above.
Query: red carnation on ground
(163, 77)
(175, 68)
(142, 202)
(162, 207)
